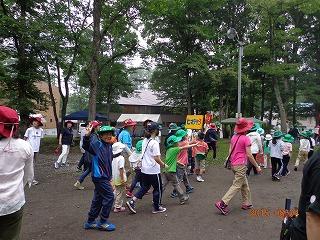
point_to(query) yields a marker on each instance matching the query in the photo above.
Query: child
(119, 177)
(266, 151)
(170, 172)
(182, 162)
(33, 135)
(276, 148)
(256, 146)
(101, 177)
(200, 152)
(135, 161)
(288, 140)
(303, 150)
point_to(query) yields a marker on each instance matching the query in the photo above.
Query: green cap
(172, 140)
(139, 146)
(310, 132)
(304, 134)
(105, 128)
(288, 138)
(255, 127)
(181, 133)
(173, 126)
(277, 134)
(260, 131)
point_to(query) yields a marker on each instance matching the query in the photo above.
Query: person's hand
(259, 170)
(89, 129)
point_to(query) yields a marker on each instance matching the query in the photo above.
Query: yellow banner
(194, 122)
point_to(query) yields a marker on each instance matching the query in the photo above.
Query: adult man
(16, 170)
(211, 139)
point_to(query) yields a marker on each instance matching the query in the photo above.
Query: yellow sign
(194, 122)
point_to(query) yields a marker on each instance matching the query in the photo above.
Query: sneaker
(222, 207)
(295, 169)
(132, 206)
(287, 173)
(121, 209)
(184, 200)
(246, 207)
(129, 194)
(160, 210)
(92, 225)
(106, 226)
(78, 185)
(200, 179)
(56, 165)
(35, 182)
(276, 179)
(174, 195)
(189, 190)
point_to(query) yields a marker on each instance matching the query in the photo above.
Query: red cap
(36, 119)
(129, 122)
(243, 125)
(8, 118)
(95, 123)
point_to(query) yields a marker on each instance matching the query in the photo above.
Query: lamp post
(232, 34)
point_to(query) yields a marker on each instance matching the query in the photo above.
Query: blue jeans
(85, 174)
(102, 201)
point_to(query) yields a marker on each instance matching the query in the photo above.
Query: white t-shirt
(256, 144)
(304, 145)
(34, 136)
(150, 149)
(118, 163)
(16, 170)
(82, 134)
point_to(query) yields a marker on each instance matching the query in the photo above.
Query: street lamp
(232, 34)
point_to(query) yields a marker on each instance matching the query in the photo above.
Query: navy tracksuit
(101, 176)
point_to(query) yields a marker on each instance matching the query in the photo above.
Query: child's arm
(159, 161)
(188, 146)
(121, 175)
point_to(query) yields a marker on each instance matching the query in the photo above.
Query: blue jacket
(125, 138)
(102, 159)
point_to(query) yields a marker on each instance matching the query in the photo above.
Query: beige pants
(302, 156)
(240, 183)
(119, 195)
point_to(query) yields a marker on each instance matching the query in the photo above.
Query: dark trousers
(136, 179)
(285, 162)
(102, 201)
(251, 166)
(84, 174)
(213, 146)
(276, 165)
(191, 161)
(81, 161)
(10, 225)
(148, 180)
(310, 153)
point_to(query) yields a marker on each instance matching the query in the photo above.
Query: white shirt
(304, 145)
(118, 163)
(16, 169)
(150, 149)
(276, 149)
(34, 136)
(135, 160)
(82, 134)
(256, 144)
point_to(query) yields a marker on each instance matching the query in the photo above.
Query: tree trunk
(271, 112)
(294, 107)
(189, 96)
(282, 111)
(93, 70)
(262, 99)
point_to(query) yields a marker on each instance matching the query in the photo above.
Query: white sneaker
(161, 210)
(78, 185)
(200, 179)
(56, 165)
(34, 182)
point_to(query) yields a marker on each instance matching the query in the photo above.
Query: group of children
(277, 151)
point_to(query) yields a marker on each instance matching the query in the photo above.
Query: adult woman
(65, 140)
(16, 170)
(150, 170)
(239, 151)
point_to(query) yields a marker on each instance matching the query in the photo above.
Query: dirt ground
(55, 210)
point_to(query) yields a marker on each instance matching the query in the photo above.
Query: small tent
(83, 115)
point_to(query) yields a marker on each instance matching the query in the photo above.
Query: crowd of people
(112, 158)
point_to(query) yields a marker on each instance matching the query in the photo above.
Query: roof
(144, 97)
(140, 117)
(83, 115)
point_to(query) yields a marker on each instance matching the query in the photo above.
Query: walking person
(211, 138)
(287, 150)
(276, 149)
(103, 197)
(87, 157)
(16, 171)
(239, 152)
(125, 135)
(173, 128)
(83, 157)
(65, 141)
(256, 146)
(150, 170)
(266, 151)
(312, 143)
(34, 135)
(304, 149)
